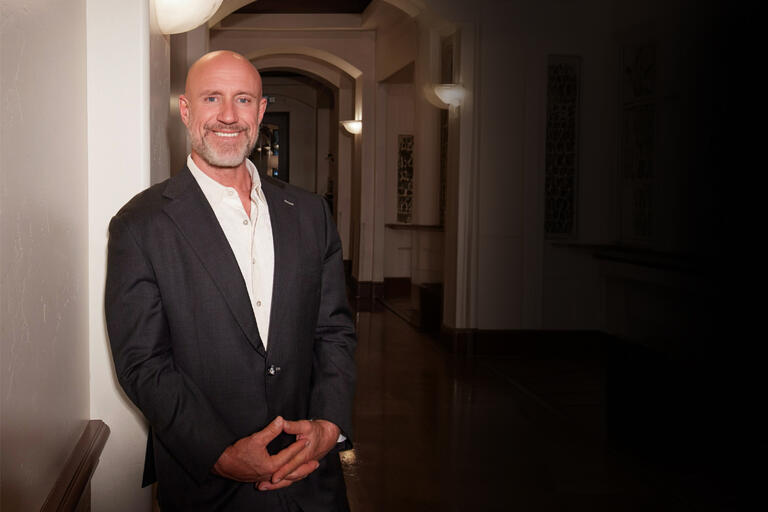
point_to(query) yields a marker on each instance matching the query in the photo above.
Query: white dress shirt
(250, 238)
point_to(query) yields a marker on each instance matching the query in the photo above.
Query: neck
(236, 177)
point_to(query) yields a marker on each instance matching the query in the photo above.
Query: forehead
(224, 75)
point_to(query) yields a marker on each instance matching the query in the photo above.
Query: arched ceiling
(410, 7)
(305, 6)
(316, 53)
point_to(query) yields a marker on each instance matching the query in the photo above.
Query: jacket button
(273, 370)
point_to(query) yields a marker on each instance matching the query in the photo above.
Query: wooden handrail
(74, 480)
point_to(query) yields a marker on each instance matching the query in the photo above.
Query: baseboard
(395, 287)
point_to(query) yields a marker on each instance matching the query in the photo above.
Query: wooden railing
(71, 493)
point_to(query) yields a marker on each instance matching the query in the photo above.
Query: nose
(227, 113)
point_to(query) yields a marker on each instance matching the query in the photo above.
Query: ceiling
(305, 6)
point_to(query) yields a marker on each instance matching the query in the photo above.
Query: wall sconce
(353, 126)
(450, 94)
(177, 16)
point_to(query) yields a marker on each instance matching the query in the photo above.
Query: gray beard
(216, 159)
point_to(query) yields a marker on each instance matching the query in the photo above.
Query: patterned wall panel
(561, 146)
(404, 178)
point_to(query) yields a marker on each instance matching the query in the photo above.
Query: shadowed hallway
(520, 432)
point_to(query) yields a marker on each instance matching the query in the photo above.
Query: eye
(243, 100)
(209, 99)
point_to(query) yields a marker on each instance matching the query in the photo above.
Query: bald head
(222, 108)
(223, 61)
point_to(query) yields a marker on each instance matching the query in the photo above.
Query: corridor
(526, 433)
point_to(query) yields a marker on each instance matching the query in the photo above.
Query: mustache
(226, 127)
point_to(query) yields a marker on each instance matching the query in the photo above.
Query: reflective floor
(439, 432)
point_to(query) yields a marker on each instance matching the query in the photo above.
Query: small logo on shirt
(287, 202)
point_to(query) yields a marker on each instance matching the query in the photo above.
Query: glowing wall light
(450, 94)
(353, 126)
(176, 16)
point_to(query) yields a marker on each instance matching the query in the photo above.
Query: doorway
(271, 154)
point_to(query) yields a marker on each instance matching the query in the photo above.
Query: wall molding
(71, 492)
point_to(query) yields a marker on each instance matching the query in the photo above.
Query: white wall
(399, 121)
(44, 245)
(119, 156)
(396, 46)
(185, 49)
(160, 121)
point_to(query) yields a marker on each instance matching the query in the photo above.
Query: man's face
(222, 109)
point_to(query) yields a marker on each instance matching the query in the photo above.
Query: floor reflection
(439, 432)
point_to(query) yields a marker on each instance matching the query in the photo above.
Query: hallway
(438, 432)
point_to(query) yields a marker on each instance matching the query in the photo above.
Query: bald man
(228, 321)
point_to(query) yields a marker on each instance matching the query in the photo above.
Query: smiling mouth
(226, 134)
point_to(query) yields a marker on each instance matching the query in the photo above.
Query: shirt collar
(213, 190)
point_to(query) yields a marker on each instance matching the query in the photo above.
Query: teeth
(226, 134)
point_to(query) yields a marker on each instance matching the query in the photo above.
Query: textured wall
(120, 155)
(44, 249)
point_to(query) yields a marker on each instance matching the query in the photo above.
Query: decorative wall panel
(404, 178)
(561, 146)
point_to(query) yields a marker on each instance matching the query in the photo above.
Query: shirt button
(230, 192)
(245, 222)
(258, 303)
(253, 261)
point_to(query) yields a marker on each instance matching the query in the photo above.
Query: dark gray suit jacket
(187, 349)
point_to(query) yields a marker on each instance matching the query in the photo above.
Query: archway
(333, 167)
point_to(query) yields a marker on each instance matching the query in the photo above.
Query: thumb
(271, 431)
(297, 427)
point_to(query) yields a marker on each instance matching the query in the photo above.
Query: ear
(262, 109)
(184, 109)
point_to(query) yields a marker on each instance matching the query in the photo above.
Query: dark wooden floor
(529, 432)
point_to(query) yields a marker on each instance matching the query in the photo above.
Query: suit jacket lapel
(190, 211)
(285, 228)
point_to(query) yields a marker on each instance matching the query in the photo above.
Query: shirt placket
(258, 303)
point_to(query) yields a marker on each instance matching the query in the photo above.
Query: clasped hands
(248, 460)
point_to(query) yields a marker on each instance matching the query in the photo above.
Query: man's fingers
(299, 473)
(269, 486)
(271, 431)
(297, 427)
(291, 466)
(302, 471)
(287, 454)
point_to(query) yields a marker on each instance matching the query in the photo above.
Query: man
(228, 320)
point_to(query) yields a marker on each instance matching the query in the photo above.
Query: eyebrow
(214, 92)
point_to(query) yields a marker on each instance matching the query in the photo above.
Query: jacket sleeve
(181, 417)
(333, 374)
